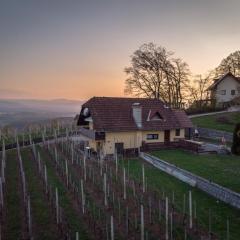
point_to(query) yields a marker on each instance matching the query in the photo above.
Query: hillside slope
(222, 121)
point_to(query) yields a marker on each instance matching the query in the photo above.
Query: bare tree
(8, 131)
(198, 92)
(179, 81)
(155, 74)
(229, 64)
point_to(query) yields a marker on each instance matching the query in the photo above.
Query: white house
(225, 89)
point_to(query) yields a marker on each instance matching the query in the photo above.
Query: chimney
(137, 114)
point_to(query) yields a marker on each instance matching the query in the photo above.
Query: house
(121, 125)
(225, 89)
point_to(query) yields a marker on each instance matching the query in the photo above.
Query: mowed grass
(44, 223)
(221, 169)
(166, 184)
(73, 219)
(214, 121)
(13, 223)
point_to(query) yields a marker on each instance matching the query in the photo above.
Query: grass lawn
(221, 169)
(162, 182)
(73, 219)
(212, 121)
(43, 217)
(13, 227)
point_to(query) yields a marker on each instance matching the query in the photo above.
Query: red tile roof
(218, 80)
(115, 114)
(183, 118)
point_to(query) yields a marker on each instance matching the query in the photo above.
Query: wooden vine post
(124, 184)
(66, 169)
(57, 205)
(1, 194)
(82, 197)
(143, 178)
(45, 178)
(166, 217)
(112, 228)
(105, 189)
(142, 222)
(190, 210)
(29, 217)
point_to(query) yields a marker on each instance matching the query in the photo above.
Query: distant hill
(57, 105)
(20, 112)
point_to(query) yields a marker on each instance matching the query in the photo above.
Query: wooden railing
(96, 135)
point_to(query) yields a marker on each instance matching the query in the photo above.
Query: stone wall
(224, 194)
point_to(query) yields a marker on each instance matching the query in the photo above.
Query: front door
(166, 136)
(99, 147)
(119, 148)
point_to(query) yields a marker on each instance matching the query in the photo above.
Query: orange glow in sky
(78, 49)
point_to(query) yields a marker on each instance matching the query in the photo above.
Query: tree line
(155, 72)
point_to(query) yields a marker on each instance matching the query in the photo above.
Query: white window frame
(152, 136)
(223, 92)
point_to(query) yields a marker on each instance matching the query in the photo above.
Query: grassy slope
(74, 220)
(162, 182)
(42, 216)
(222, 169)
(13, 226)
(211, 121)
(13, 218)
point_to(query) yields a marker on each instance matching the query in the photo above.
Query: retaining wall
(224, 194)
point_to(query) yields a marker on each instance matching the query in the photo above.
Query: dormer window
(157, 116)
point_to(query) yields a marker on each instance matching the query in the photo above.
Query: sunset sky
(77, 49)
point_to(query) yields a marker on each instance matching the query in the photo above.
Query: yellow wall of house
(173, 136)
(90, 125)
(129, 139)
(96, 145)
(132, 139)
(92, 144)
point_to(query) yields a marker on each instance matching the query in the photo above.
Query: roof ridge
(126, 98)
(218, 80)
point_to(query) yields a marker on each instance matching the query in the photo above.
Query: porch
(92, 134)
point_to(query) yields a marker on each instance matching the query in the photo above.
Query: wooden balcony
(92, 134)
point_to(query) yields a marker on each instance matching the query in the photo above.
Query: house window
(152, 136)
(177, 132)
(233, 92)
(223, 92)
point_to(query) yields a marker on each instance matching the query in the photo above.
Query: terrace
(92, 134)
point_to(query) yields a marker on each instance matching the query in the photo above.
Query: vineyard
(56, 190)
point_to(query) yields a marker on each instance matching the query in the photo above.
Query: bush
(224, 120)
(207, 109)
(236, 140)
